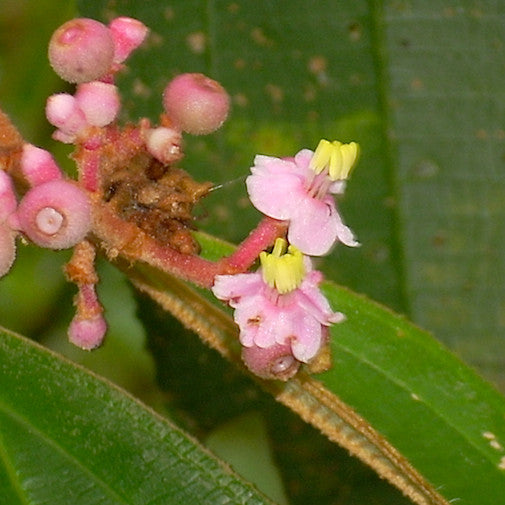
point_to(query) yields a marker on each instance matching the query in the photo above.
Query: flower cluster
(130, 200)
(282, 315)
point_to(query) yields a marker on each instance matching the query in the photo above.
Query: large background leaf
(418, 84)
(68, 437)
(436, 411)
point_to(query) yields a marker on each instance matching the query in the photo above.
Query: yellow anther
(283, 270)
(337, 158)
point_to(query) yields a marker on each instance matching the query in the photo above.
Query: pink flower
(279, 305)
(294, 190)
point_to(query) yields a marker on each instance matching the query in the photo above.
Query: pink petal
(313, 228)
(249, 315)
(303, 157)
(274, 186)
(344, 233)
(311, 299)
(307, 339)
(229, 287)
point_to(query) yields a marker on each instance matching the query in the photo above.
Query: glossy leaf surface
(69, 437)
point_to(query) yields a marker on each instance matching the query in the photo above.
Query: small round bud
(38, 165)
(7, 248)
(81, 50)
(55, 214)
(128, 34)
(63, 111)
(89, 333)
(274, 362)
(196, 103)
(98, 101)
(164, 144)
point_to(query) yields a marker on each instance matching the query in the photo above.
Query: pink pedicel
(81, 50)
(288, 189)
(55, 215)
(164, 144)
(196, 103)
(99, 102)
(127, 34)
(38, 165)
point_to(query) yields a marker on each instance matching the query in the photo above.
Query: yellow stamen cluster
(339, 159)
(283, 270)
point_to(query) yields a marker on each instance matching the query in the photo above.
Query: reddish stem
(259, 239)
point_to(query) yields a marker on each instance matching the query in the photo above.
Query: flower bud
(196, 103)
(127, 34)
(81, 50)
(89, 333)
(38, 165)
(98, 101)
(55, 214)
(274, 362)
(63, 111)
(164, 144)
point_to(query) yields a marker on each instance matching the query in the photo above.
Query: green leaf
(417, 83)
(68, 437)
(297, 71)
(204, 392)
(434, 420)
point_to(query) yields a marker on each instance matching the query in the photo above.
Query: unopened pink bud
(196, 103)
(164, 144)
(38, 165)
(8, 201)
(55, 214)
(81, 50)
(128, 34)
(7, 248)
(87, 333)
(63, 111)
(98, 101)
(274, 362)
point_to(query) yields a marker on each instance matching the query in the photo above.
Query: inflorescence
(129, 199)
